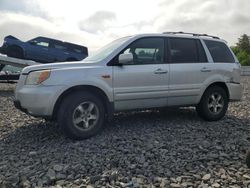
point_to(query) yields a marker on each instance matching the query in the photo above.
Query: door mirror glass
(126, 58)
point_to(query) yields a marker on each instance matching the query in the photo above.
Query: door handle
(205, 69)
(160, 71)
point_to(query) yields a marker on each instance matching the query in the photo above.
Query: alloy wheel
(215, 103)
(85, 116)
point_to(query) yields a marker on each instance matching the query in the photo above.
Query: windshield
(106, 50)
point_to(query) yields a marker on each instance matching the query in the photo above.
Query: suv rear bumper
(235, 91)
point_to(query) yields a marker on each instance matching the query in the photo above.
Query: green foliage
(242, 50)
(243, 56)
(244, 43)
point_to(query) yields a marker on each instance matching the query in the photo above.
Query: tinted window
(147, 51)
(40, 42)
(45, 44)
(186, 51)
(77, 48)
(219, 52)
(58, 45)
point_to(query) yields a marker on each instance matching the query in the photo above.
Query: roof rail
(194, 34)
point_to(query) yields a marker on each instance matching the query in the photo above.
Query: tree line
(242, 50)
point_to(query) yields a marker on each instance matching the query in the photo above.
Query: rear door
(189, 68)
(59, 50)
(144, 83)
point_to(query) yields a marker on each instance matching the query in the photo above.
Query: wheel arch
(16, 46)
(223, 85)
(109, 107)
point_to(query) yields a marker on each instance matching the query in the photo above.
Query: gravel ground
(171, 148)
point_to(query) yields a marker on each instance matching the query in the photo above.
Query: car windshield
(106, 50)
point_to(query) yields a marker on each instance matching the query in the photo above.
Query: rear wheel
(213, 105)
(81, 115)
(15, 51)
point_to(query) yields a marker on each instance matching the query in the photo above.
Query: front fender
(102, 86)
(72, 77)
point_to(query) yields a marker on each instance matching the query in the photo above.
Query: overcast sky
(94, 23)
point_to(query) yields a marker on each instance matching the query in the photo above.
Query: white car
(135, 72)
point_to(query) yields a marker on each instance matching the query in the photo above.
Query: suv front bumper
(38, 101)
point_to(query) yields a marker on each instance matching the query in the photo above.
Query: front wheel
(81, 115)
(213, 105)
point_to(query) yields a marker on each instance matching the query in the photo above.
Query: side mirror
(126, 59)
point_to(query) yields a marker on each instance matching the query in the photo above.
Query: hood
(80, 64)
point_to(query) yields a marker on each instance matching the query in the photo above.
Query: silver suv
(135, 72)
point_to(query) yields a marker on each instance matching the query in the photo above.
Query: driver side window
(147, 51)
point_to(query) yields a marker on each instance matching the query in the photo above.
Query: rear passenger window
(184, 50)
(77, 49)
(60, 47)
(219, 52)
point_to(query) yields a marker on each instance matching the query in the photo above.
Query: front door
(39, 50)
(144, 83)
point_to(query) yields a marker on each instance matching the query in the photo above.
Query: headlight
(37, 77)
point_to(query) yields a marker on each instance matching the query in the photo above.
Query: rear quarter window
(219, 52)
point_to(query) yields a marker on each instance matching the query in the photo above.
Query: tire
(213, 105)
(81, 115)
(15, 51)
